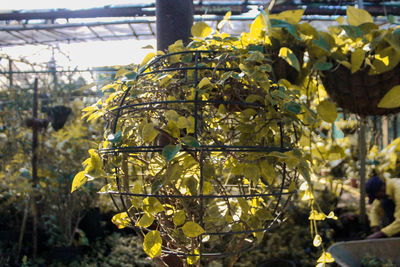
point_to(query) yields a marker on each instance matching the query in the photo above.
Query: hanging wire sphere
(202, 153)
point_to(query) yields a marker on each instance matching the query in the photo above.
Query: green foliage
(175, 128)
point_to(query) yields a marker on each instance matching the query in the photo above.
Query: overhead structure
(138, 20)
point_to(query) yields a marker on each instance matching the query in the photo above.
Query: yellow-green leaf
(327, 110)
(391, 99)
(149, 133)
(79, 180)
(120, 72)
(94, 164)
(289, 57)
(204, 82)
(357, 58)
(146, 220)
(147, 58)
(356, 16)
(192, 229)
(121, 220)
(326, 257)
(152, 205)
(317, 241)
(172, 115)
(182, 122)
(193, 259)
(259, 27)
(207, 188)
(179, 217)
(291, 16)
(201, 29)
(152, 244)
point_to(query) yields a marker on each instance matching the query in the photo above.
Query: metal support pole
(34, 167)
(360, 4)
(174, 21)
(10, 73)
(363, 153)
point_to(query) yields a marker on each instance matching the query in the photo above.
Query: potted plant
(201, 148)
(358, 62)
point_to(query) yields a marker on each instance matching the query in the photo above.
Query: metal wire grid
(159, 66)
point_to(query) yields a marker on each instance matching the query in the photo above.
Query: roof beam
(127, 11)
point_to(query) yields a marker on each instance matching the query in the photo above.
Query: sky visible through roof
(68, 4)
(82, 55)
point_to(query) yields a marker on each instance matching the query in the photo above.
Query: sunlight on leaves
(356, 16)
(391, 99)
(289, 57)
(192, 229)
(327, 110)
(201, 29)
(152, 244)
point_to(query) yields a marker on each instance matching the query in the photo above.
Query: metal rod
(34, 167)
(363, 152)
(10, 73)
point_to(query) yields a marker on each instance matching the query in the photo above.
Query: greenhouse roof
(138, 21)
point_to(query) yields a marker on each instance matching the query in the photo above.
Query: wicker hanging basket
(360, 92)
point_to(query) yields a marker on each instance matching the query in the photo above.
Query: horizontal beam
(325, 10)
(236, 7)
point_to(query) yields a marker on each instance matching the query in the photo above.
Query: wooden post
(363, 153)
(385, 131)
(174, 21)
(394, 125)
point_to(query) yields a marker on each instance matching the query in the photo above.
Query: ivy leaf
(132, 75)
(120, 73)
(121, 220)
(147, 58)
(326, 257)
(259, 27)
(353, 32)
(327, 110)
(93, 164)
(192, 229)
(356, 16)
(357, 58)
(289, 57)
(323, 66)
(152, 244)
(179, 217)
(149, 133)
(79, 180)
(391, 99)
(321, 43)
(291, 16)
(204, 82)
(317, 241)
(276, 23)
(190, 141)
(193, 259)
(156, 186)
(115, 138)
(170, 151)
(293, 107)
(146, 220)
(152, 205)
(201, 29)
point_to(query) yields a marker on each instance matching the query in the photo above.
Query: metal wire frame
(202, 148)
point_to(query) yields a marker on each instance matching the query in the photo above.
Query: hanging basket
(360, 92)
(205, 161)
